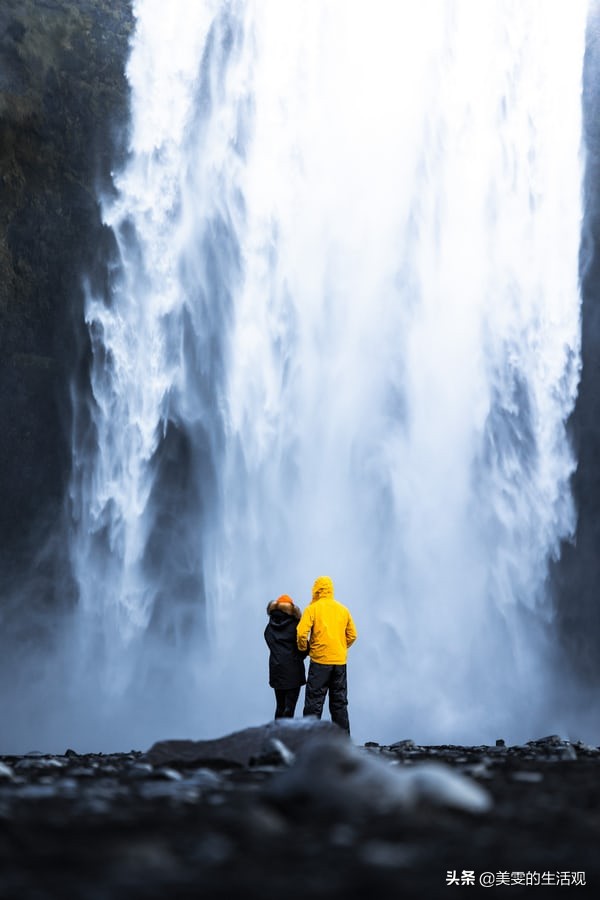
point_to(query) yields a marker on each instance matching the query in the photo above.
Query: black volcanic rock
(575, 576)
(117, 826)
(243, 747)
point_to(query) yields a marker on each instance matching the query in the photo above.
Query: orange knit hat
(286, 605)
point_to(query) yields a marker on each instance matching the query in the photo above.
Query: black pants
(321, 679)
(286, 702)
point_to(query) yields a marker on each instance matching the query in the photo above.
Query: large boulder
(243, 747)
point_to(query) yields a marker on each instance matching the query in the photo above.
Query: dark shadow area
(576, 577)
(182, 496)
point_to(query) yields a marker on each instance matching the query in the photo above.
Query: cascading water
(342, 338)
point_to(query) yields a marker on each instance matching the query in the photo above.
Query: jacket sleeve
(303, 629)
(268, 637)
(351, 634)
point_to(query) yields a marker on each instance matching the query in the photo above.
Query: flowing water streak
(406, 345)
(344, 340)
(141, 496)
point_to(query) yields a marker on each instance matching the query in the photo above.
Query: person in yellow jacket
(327, 629)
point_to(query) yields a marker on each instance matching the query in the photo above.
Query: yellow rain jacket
(329, 625)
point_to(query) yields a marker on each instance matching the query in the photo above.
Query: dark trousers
(286, 702)
(321, 679)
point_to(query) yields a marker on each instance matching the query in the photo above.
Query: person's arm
(269, 637)
(351, 634)
(303, 629)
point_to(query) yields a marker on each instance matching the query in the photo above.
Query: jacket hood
(285, 605)
(322, 589)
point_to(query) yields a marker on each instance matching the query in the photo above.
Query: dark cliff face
(577, 574)
(63, 114)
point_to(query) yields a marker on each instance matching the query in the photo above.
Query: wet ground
(322, 823)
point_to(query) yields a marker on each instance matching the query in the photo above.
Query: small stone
(23, 764)
(550, 739)
(162, 789)
(531, 777)
(285, 754)
(567, 752)
(37, 791)
(275, 754)
(403, 745)
(478, 770)
(581, 747)
(205, 778)
(168, 774)
(140, 770)
(66, 786)
(39, 762)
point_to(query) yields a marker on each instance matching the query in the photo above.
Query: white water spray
(342, 339)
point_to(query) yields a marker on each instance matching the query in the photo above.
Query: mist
(340, 335)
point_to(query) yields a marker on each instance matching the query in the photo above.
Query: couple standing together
(324, 632)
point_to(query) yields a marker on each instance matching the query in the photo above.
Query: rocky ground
(292, 810)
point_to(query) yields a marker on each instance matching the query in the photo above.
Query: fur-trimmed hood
(285, 605)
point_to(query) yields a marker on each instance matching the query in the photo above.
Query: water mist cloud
(348, 305)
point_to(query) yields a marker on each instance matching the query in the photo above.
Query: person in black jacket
(286, 662)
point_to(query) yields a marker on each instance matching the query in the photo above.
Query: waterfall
(340, 335)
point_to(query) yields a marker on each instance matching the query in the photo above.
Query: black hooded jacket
(286, 662)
